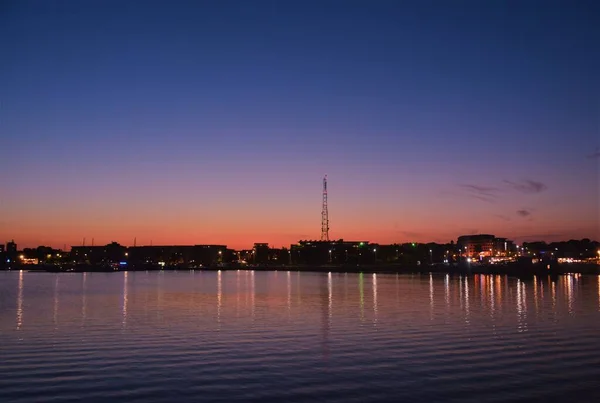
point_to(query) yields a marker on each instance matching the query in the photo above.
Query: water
(288, 336)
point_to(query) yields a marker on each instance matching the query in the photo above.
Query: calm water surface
(288, 336)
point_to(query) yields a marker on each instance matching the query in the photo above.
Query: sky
(194, 122)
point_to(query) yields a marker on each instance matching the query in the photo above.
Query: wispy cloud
(527, 186)
(502, 217)
(484, 193)
(523, 213)
(539, 237)
(595, 154)
(410, 234)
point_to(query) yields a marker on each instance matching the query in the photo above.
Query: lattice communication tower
(324, 214)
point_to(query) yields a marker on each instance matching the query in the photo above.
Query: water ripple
(258, 336)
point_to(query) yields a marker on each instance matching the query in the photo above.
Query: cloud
(484, 193)
(523, 213)
(411, 234)
(502, 217)
(538, 237)
(527, 186)
(595, 155)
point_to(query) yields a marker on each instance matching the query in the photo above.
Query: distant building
(2, 256)
(111, 253)
(483, 246)
(189, 255)
(503, 247)
(261, 253)
(476, 246)
(11, 251)
(333, 252)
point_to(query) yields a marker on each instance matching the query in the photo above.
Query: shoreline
(511, 270)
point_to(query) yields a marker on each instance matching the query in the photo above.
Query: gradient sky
(187, 122)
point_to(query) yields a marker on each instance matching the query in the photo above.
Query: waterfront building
(11, 251)
(111, 253)
(476, 246)
(483, 246)
(180, 255)
(333, 252)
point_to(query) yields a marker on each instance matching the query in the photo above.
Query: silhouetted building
(2, 256)
(261, 253)
(111, 253)
(483, 246)
(333, 252)
(503, 247)
(41, 254)
(181, 255)
(11, 251)
(476, 246)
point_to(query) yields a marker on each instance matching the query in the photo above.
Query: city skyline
(215, 123)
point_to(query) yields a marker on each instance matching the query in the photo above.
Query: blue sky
(401, 103)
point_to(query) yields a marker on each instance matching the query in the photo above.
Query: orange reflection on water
(83, 298)
(20, 301)
(569, 289)
(375, 298)
(55, 316)
(467, 307)
(289, 292)
(316, 300)
(330, 294)
(521, 306)
(219, 296)
(125, 298)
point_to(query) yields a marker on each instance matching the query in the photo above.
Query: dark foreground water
(281, 336)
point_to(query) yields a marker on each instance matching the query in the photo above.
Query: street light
(329, 255)
(430, 256)
(375, 253)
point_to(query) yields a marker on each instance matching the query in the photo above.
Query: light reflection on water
(293, 336)
(20, 301)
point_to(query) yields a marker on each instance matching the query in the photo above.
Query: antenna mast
(324, 214)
